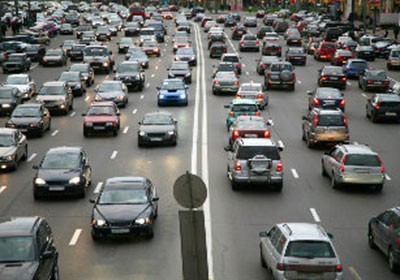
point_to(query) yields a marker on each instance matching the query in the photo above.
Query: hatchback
(383, 107)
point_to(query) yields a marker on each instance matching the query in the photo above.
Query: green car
(241, 107)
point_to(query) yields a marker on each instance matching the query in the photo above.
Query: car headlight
(105, 64)
(142, 133)
(75, 180)
(6, 105)
(10, 157)
(40, 182)
(34, 124)
(99, 222)
(193, 58)
(171, 132)
(143, 63)
(109, 123)
(161, 96)
(120, 97)
(89, 124)
(142, 221)
(182, 96)
(171, 74)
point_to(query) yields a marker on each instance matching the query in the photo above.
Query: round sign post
(190, 191)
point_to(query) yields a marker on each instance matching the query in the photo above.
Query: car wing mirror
(227, 106)
(304, 118)
(140, 123)
(330, 235)
(309, 92)
(280, 149)
(156, 198)
(83, 114)
(263, 234)
(35, 167)
(228, 148)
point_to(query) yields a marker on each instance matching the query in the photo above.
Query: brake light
(343, 78)
(370, 82)
(259, 96)
(231, 113)
(386, 82)
(382, 168)
(342, 168)
(235, 83)
(238, 166)
(267, 134)
(269, 75)
(242, 43)
(345, 121)
(263, 66)
(238, 65)
(342, 103)
(281, 266)
(377, 106)
(216, 83)
(257, 43)
(257, 113)
(225, 50)
(339, 268)
(235, 134)
(279, 49)
(324, 78)
(316, 120)
(316, 102)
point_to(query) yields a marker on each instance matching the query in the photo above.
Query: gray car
(56, 96)
(158, 128)
(255, 161)
(353, 164)
(13, 148)
(115, 91)
(225, 82)
(254, 91)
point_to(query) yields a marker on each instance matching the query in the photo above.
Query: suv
(131, 74)
(99, 58)
(27, 249)
(325, 126)
(393, 59)
(255, 160)
(383, 107)
(301, 250)
(353, 164)
(280, 74)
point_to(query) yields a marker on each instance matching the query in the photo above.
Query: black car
(16, 63)
(10, 97)
(103, 34)
(32, 119)
(216, 37)
(35, 52)
(131, 74)
(326, 98)
(27, 249)
(66, 29)
(383, 107)
(180, 69)
(296, 56)
(376, 80)
(86, 71)
(332, 76)
(75, 81)
(62, 171)
(54, 57)
(126, 206)
(238, 32)
(186, 54)
(262, 30)
(132, 29)
(158, 128)
(76, 53)
(383, 234)
(230, 22)
(124, 44)
(225, 67)
(365, 52)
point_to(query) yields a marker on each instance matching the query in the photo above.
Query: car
(56, 96)
(24, 83)
(350, 45)
(383, 232)
(99, 58)
(249, 127)
(157, 128)
(151, 47)
(204, 20)
(365, 52)
(264, 62)
(172, 91)
(115, 91)
(280, 74)
(312, 30)
(250, 21)
(238, 31)
(180, 42)
(221, 18)
(126, 206)
(383, 107)
(240, 107)
(32, 119)
(62, 171)
(395, 89)
(326, 98)
(341, 57)
(16, 63)
(307, 245)
(184, 26)
(217, 49)
(325, 126)
(355, 67)
(255, 161)
(54, 57)
(233, 58)
(269, 19)
(225, 67)
(76, 52)
(382, 48)
(393, 61)
(260, 14)
(325, 51)
(10, 97)
(375, 80)
(73, 19)
(354, 164)
(293, 38)
(296, 56)
(271, 48)
(35, 52)
(236, 16)
(216, 36)
(131, 74)
(167, 15)
(124, 44)
(332, 76)
(280, 26)
(249, 42)
(75, 81)
(186, 54)
(80, 29)
(159, 29)
(312, 44)
(13, 148)
(29, 240)
(255, 92)
(225, 82)
(230, 22)
(66, 29)
(101, 117)
(103, 34)
(132, 29)
(139, 56)
(182, 70)
(209, 24)
(85, 70)
(147, 33)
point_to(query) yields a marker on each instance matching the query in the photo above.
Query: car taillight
(377, 106)
(242, 43)
(267, 134)
(235, 134)
(342, 103)
(238, 65)
(279, 167)
(231, 113)
(257, 114)
(316, 102)
(263, 66)
(238, 166)
(345, 121)
(341, 168)
(343, 78)
(259, 96)
(281, 266)
(269, 75)
(324, 78)
(386, 82)
(279, 49)
(235, 83)
(216, 83)
(316, 120)
(225, 50)
(398, 243)
(381, 164)
(339, 268)
(238, 96)
(257, 43)
(370, 82)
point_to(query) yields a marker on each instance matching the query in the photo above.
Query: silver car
(225, 82)
(353, 164)
(13, 148)
(253, 91)
(24, 83)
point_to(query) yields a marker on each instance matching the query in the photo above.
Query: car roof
(131, 182)
(54, 83)
(18, 226)
(158, 113)
(243, 101)
(304, 231)
(64, 149)
(4, 130)
(357, 149)
(257, 142)
(388, 97)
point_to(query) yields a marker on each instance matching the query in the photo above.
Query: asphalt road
(233, 218)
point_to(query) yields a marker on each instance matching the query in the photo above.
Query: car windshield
(6, 93)
(244, 108)
(281, 67)
(95, 51)
(60, 161)
(330, 120)
(107, 87)
(179, 66)
(79, 68)
(231, 58)
(26, 112)
(68, 43)
(173, 85)
(344, 53)
(52, 90)
(123, 196)
(309, 249)
(329, 93)
(185, 51)
(146, 32)
(137, 55)
(157, 119)
(250, 88)
(6, 140)
(53, 52)
(126, 41)
(15, 80)
(32, 48)
(251, 124)
(333, 70)
(248, 152)
(149, 44)
(128, 68)
(16, 249)
(379, 75)
(395, 54)
(101, 111)
(69, 76)
(131, 24)
(364, 160)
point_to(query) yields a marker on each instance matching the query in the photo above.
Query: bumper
(99, 129)
(331, 83)
(361, 179)
(380, 88)
(330, 138)
(6, 164)
(172, 100)
(52, 62)
(257, 180)
(58, 190)
(121, 232)
(300, 61)
(167, 139)
(225, 89)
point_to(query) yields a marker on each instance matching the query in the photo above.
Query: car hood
(5, 151)
(121, 212)
(43, 97)
(24, 120)
(171, 91)
(156, 128)
(58, 174)
(7, 101)
(95, 58)
(178, 72)
(101, 118)
(21, 88)
(18, 271)
(109, 94)
(12, 62)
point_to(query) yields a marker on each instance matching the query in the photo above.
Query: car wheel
(115, 132)
(371, 241)
(278, 187)
(36, 196)
(334, 184)
(392, 264)
(150, 233)
(140, 144)
(378, 188)
(389, 67)
(85, 133)
(374, 118)
(263, 263)
(95, 237)
(234, 185)
(25, 155)
(82, 194)
(49, 125)
(55, 273)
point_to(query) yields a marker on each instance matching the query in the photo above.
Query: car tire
(392, 265)
(85, 133)
(389, 67)
(150, 233)
(278, 187)
(25, 155)
(234, 185)
(371, 241)
(262, 261)
(115, 132)
(82, 194)
(95, 237)
(55, 273)
(334, 184)
(378, 188)
(374, 118)
(36, 196)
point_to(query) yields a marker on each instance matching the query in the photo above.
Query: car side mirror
(158, 88)
(92, 200)
(35, 167)
(280, 149)
(263, 234)
(110, 52)
(330, 235)
(304, 118)
(309, 92)
(83, 114)
(228, 148)
(156, 198)
(140, 123)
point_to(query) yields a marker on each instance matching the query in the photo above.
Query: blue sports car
(172, 91)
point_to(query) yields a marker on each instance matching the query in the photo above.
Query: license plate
(120, 230)
(95, 66)
(367, 52)
(98, 127)
(128, 83)
(377, 83)
(156, 139)
(390, 114)
(57, 189)
(334, 78)
(250, 135)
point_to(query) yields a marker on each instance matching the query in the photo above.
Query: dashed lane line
(34, 66)
(106, 78)
(354, 272)
(152, 75)
(75, 237)
(348, 83)
(299, 82)
(244, 65)
(315, 215)
(3, 188)
(247, 73)
(387, 177)
(142, 96)
(156, 67)
(87, 98)
(134, 111)
(98, 187)
(72, 114)
(32, 157)
(125, 131)
(147, 85)
(294, 172)
(281, 144)
(54, 133)
(114, 154)
(364, 95)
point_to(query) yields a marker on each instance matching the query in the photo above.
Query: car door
(270, 254)
(381, 230)
(152, 194)
(43, 246)
(46, 116)
(330, 159)
(307, 124)
(21, 143)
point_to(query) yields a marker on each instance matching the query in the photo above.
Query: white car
(24, 83)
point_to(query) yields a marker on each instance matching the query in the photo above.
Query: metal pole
(365, 15)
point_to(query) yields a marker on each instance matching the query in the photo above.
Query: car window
(123, 196)
(248, 152)
(250, 124)
(309, 249)
(385, 217)
(244, 108)
(101, 111)
(61, 161)
(330, 120)
(6, 140)
(280, 244)
(274, 235)
(363, 160)
(359, 64)
(16, 249)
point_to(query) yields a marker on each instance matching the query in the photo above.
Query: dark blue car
(355, 67)
(172, 92)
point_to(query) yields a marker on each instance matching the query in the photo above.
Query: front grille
(121, 224)
(57, 183)
(156, 134)
(99, 124)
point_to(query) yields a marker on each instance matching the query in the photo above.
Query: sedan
(296, 56)
(62, 171)
(126, 206)
(115, 91)
(10, 97)
(241, 107)
(66, 29)
(30, 119)
(158, 128)
(76, 53)
(238, 32)
(326, 98)
(225, 82)
(341, 57)
(132, 29)
(124, 44)
(180, 42)
(172, 91)
(151, 48)
(101, 117)
(248, 127)
(186, 54)
(24, 83)
(140, 57)
(250, 22)
(75, 81)
(249, 42)
(383, 107)
(332, 76)
(255, 92)
(365, 52)
(376, 80)
(85, 70)
(13, 148)
(54, 57)
(182, 70)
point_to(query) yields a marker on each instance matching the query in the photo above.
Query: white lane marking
(387, 177)
(34, 66)
(354, 272)
(125, 130)
(355, 143)
(299, 82)
(164, 49)
(142, 96)
(3, 188)
(244, 65)
(75, 237)
(134, 111)
(54, 133)
(294, 172)
(72, 114)
(348, 83)
(271, 122)
(152, 75)
(98, 187)
(247, 73)
(393, 80)
(87, 98)
(364, 95)
(281, 144)
(32, 157)
(159, 60)
(147, 85)
(156, 67)
(114, 154)
(315, 215)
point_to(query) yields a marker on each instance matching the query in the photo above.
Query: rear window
(309, 249)
(249, 125)
(330, 120)
(359, 64)
(391, 105)
(327, 46)
(329, 93)
(247, 152)
(231, 58)
(363, 160)
(245, 108)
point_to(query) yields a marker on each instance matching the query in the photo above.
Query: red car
(325, 51)
(167, 15)
(341, 57)
(249, 127)
(101, 117)
(173, 8)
